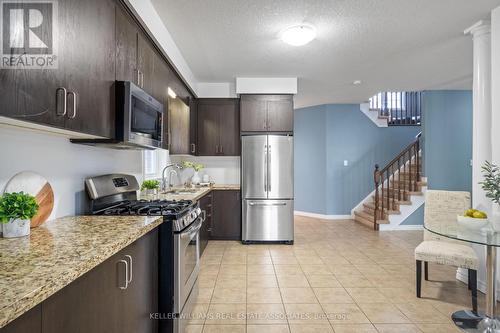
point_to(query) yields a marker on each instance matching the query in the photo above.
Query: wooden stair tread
(368, 217)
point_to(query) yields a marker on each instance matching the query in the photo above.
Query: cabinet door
(145, 63)
(229, 128)
(30, 94)
(88, 61)
(160, 77)
(126, 46)
(193, 127)
(226, 222)
(206, 205)
(30, 322)
(179, 118)
(141, 296)
(253, 113)
(91, 303)
(280, 113)
(208, 128)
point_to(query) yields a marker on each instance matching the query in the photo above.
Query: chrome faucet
(163, 178)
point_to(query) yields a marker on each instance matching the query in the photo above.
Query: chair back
(441, 210)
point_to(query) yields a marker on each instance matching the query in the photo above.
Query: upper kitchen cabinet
(179, 127)
(267, 113)
(87, 60)
(218, 127)
(126, 47)
(72, 87)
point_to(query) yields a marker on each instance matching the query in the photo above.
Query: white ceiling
(388, 44)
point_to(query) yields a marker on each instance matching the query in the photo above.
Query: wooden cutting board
(38, 186)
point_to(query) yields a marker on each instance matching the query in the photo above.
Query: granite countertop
(57, 253)
(193, 194)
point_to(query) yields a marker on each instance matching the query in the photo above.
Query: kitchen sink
(181, 191)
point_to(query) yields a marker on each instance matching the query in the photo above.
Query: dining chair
(441, 210)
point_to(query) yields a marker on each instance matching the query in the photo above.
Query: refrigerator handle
(269, 168)
(265, 168)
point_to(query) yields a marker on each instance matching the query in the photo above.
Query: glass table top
(484, 236)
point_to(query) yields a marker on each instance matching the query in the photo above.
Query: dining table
(487, 236)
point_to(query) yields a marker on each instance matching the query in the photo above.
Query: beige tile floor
(338, 277)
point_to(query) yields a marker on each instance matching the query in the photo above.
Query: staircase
(399, 186)
(391, 108)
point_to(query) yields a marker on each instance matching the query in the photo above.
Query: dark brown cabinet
(226, 217)
(87, 59)
(206, 204)
(30, 322)
(218, 127)
(179, 119)
(126, 47)
(85, 69)
(103, 301)
(266, 113)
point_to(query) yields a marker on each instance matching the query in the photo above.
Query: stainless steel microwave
(138, 120)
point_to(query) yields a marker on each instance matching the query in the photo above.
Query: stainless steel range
(179, 250)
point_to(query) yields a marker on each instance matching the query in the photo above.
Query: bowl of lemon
(473, 219)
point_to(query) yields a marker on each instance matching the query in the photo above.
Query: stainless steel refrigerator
(267, 188)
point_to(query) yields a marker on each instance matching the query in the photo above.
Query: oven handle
(192, 230)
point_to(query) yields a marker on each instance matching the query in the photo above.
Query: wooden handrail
(387, 196)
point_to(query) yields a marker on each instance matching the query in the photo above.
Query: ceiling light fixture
(299, 34)
(171, 93)
(357, 82)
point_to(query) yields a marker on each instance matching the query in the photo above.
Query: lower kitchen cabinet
(226, 217)
(116, 296)
(206, 204)
(30, 322)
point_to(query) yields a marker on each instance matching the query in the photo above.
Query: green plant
(150, 184)
(491, 183)
(17, 205)
(195, 166)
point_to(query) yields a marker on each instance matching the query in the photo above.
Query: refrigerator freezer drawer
(268, 220)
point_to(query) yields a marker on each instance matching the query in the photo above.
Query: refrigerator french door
(267, 188)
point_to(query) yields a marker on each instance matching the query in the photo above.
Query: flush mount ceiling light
(171, 93)
(357, 82)
(299, 34)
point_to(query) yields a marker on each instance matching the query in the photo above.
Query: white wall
(65, 165)
(221, 169)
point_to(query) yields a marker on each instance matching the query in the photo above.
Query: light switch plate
(346, 163)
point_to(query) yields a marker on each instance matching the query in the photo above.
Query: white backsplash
(65, 165)
(221, 169)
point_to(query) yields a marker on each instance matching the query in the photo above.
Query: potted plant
(491, 185)
(197, 167)
(151, 186)
(16, 210)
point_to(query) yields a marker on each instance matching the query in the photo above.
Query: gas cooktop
(147, 207)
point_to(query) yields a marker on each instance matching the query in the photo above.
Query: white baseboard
(323, 216)
(389, 227)
(481, 285)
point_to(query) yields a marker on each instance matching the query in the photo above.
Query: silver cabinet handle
(268, 204)
(204, 213)
(269, 181)
(73, 94)
(221, 149)
(129, 257)
(65, 93)
(216, 149)
(142, 79)
(193, 148)
(265, 168)
(138, 80)
(126, 274)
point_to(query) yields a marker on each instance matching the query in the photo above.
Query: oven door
(186, 262)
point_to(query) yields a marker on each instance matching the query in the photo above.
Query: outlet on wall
(346, 163)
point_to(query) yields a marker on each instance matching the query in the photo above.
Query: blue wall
(447, 129)
(325, 136)
(447, 132)
(310, 160)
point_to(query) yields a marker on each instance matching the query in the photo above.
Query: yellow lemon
(469, 212)
(479, 215)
